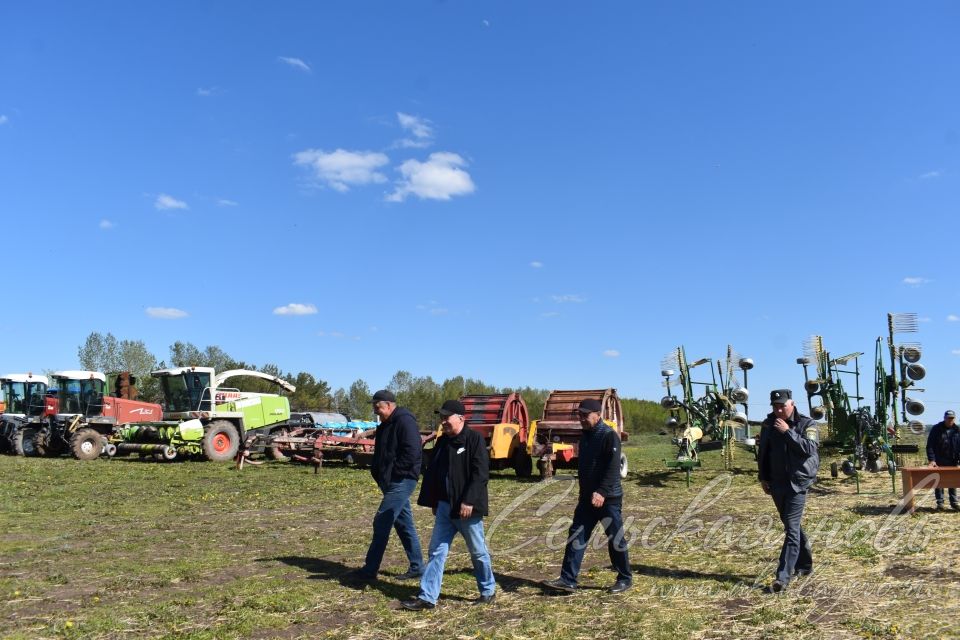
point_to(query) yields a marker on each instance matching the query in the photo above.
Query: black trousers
(585, 518)
(796, 553)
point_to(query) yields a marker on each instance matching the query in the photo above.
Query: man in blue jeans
(455, 487)
(396, 469)
(943, 450)
(600, 502)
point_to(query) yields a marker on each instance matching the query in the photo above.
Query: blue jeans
(444, 529)
(796, 553)
(585, 518)
(938, 494)
(394, 513)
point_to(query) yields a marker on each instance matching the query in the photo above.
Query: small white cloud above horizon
(536, 264)
(420, 129)
(953, 318)
(611, 353)
(296, 63)
(485, 23)
(568, 297)
(295, 309)
(206, 92)
(441, 177)
(166, 313)
(223, 202)
(106, 224)
(929, 175)
(924, 319)
(341, 169)
(955, 352)
(165, 201)
(915, 281)
(336, 334)
(4, 119)
(549, 314)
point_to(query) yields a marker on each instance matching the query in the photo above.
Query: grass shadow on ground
(323, 569)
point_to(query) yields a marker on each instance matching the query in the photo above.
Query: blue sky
(552, 194)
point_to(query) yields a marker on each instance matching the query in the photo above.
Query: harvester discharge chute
(866, 438)
(706, 408)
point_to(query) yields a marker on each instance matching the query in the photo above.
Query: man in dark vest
(600, 502)
(788, 458)
(943, 450)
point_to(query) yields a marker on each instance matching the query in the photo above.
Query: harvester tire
(522, 463)
(43, 443)
(23, 441)
(624, 465)
(86, 444)
(221, 441)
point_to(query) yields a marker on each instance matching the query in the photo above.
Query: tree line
(420, 394)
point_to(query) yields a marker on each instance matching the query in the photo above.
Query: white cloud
(953, 318)
(569, 297)
(915, 281)
(419, 127)
(549, 314)
(924, 319)
(223, 202)
(295, 309)
(439, 178)
(296, 63)
(536, 264)
(485, 23)
(341, 168)
(336, 334)
(205, 92)
(169, 202)
(931, 174)
(955, 352)
(4, 119)
(611, 353)
(106, 224)
(166, 313)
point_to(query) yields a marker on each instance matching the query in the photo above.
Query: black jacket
(943, 445)
(598, 463)
(797, 449)
(397, 450)
(468, 473)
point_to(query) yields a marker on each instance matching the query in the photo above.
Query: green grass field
(130, 549)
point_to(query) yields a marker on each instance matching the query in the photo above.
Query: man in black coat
(455, 487)
(396, 469)
(600, 501)
(788, 459)
(943, 450)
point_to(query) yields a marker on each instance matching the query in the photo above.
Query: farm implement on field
(312, 437)
(203, 417)
(866, 438)
(711, 413)
(502, 421)
(553, 440)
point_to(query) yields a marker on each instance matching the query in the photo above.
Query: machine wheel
(86, 444)
(545, 468)
(276, 453)
(522, 463)
(23, 441)
(221, 441)
(624, 465)
(834, 470)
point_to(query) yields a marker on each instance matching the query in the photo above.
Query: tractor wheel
(624, 465)
(522, 463)
(220, 441)
(23, 441)
(47, 443)
(86, 444)
(546, 469)
(275, 452)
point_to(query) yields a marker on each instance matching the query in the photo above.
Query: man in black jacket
(396, 469)
(455, 487)
(788, 459)
(601, 498)
(943, 450)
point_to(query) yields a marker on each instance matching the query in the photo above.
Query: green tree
(360, 397)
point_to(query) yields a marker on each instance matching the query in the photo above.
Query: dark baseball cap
(589, 406)
(451, 407)
(950, 414)
(780, 396)
(384, 396)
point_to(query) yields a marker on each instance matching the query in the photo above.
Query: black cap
(384, 396)
(780, 396)
(589, 406)
(949, 414)
(451, 407)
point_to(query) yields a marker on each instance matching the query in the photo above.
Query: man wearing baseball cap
(943, 450)
(395, 468)
(788, 458)
(455, 487)
(601, 498)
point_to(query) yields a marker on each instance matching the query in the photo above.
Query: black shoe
(358, 576)
(559, 585)
(485, 599)
(777, 586)
(939, 506)
(410, 575)
(620, 586)
(416, 604)
(955, 506)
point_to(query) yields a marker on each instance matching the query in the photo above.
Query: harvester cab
(204, 417)
(27, 403)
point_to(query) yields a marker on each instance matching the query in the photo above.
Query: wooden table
(926, 478)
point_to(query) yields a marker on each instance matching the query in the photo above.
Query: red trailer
(503, 422)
